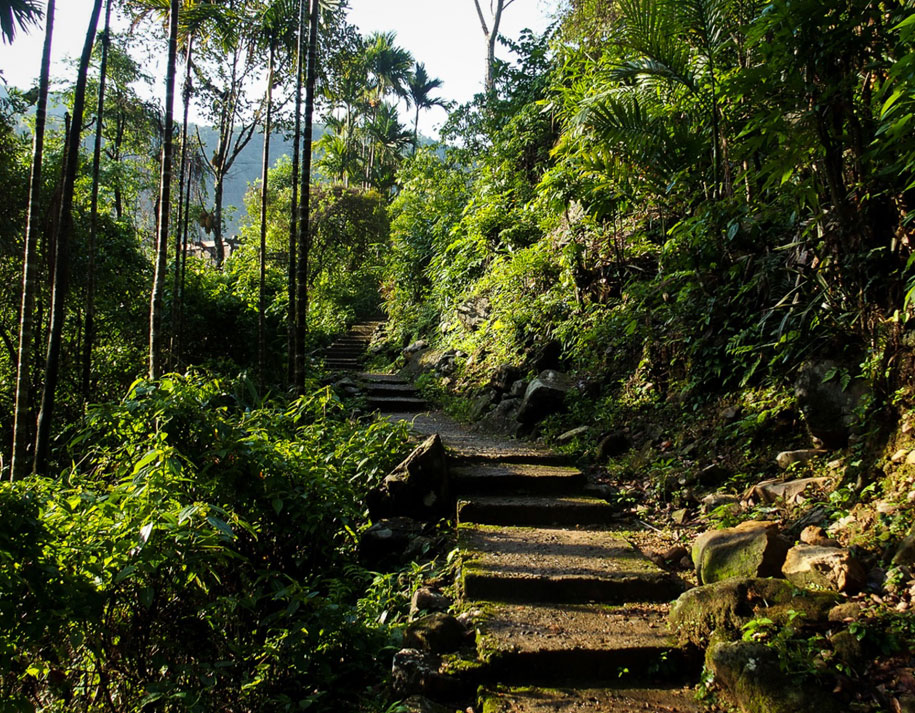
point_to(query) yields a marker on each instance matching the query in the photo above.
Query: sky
(443, 34)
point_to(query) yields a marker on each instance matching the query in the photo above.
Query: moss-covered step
(546, 565)
(534, 510)
(563, 643)
(514, 478)
(600, 700)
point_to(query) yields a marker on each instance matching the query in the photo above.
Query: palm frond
(18, 13)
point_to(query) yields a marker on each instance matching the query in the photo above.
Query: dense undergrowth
(200, 555)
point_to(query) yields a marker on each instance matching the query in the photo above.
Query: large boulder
(418, 488)
(828, 405)
(750, 673)
(818, 567)
(726, 606)
(544, 396)
(752, 549)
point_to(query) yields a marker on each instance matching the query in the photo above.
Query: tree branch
(482, 18)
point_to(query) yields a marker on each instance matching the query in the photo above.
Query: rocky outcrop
(544, 396)
(437, 632)
(473, 313)
(830, 568)
(418, 488)
(752, 549)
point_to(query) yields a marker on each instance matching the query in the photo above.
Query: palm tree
(21, 426)
(165, 185)
(19, 12)
(61, 279)
(419, 87)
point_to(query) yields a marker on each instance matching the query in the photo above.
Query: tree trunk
(305, 201)
(89, 336)
(177, 303)
(165, 185)
(21, 420)
(61, 281)
(294, 203)
(262, 297)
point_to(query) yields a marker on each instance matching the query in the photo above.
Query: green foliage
(200, 556)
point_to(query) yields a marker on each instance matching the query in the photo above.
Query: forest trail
(569, 614)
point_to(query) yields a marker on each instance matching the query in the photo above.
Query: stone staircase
(387, 393)
(569, 616)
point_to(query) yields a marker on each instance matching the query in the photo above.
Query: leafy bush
(200, 557)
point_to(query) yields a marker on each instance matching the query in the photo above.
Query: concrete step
(396, 404)
(563, 643)
(497, 478)
(542, 565)
(534, 511)
(589, 700)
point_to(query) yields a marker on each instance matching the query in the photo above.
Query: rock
(612, 445)
(416, 672)
(713, 474)
(680, 516)
(437, 632)
(791, 491)
(445, 365)
(905, 553)
(847, 611)
(671, 556)
(544, 396)
(727, 606)
(389, 542)
(502, 418)
(415, 348)
(785, 459)
(828, 408)
(473, 313)
(505, 376)
(900, 455)
(751, 675)
(572, 434)
(910, 459)
(482, 404)
(816, 535)
(427, 599)
(731, 414)
(847, 647)
(752, 549)
(714, 501)
(419, 487)
(831, 568)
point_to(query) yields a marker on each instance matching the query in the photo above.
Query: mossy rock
(727, 606)
(752, 549)
(750, 675)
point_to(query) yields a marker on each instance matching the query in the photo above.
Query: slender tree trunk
(165, 185)
(305, 201)
(62, 250)
(89, 336)
(262, 297)
(21, 420)
(416, 131)
(294, 202)
(177, 303)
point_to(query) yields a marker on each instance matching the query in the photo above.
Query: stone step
(344, 351)
(564, 643)
(396, 404)
(534, 511)
(495, 478)
(543, 565)
(341, 360)
(372, 378)
(390, 389)
(589, 700)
